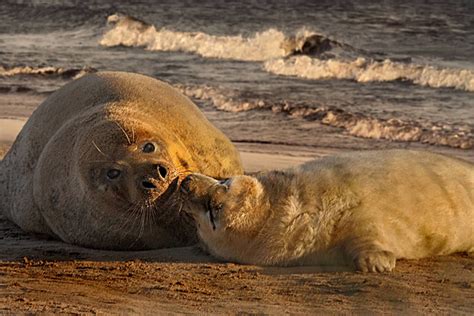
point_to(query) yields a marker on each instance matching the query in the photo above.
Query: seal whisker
(124, 132)
(133, 135)
(141, 215)
(126, 215)
(180, 207)
(147, 214)
(137, 215)
(151, 215)
(154, 214)
(130, 216)
(184, 171)
(100, 151)
(142, 223)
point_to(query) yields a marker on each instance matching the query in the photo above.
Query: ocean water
(316, 73)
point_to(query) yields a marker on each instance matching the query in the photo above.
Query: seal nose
(185, 184)
(162, 171)
(155, 177)
(147, 185)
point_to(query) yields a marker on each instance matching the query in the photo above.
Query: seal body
(98, 163)
(363, 209)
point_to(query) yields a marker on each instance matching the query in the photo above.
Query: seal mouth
(212, 219)
(213, 212)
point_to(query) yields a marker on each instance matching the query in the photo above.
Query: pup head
(226, 211)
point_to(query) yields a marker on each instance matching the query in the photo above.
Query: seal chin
(151, 193)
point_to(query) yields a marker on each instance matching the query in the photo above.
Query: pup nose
(185, 184)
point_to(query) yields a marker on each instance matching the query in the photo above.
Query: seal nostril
(148, 185)
(162, 171)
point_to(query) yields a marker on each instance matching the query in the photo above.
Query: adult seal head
(99, 162)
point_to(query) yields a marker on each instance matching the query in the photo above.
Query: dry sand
(47, 276)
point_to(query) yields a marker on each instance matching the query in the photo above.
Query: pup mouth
(212, 217)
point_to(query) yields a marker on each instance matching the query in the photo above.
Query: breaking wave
(45, 71)
(356, 124)
(366, 70)
(305, 55)
(269, 44)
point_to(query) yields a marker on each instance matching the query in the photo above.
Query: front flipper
(369, 253)
(375, 261)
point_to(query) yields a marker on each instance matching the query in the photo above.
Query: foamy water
(271, 45)
(131, 32)
(364, 70)
(355, 124)
(74, 73)
(369, 71)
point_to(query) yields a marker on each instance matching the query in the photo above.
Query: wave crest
(288, 56)
(355, 124)
(128, 31)
(364, 70)
(45, 71)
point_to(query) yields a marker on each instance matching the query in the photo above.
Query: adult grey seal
(98, 163)
(364, 209)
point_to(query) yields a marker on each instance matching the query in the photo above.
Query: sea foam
(45, 70)
(355, 124)
(305, 55)
(128, 31)
(366, 70)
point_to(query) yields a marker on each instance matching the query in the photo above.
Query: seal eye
(226, 183)
(113, 173)
(148, 148)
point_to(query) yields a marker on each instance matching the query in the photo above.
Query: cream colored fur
(53, 178)
(362, 209)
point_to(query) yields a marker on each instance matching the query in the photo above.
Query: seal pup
(363, 209)
(99, 162)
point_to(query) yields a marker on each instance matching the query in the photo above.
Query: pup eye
(148, 148)
(226, 183)
(113, 173)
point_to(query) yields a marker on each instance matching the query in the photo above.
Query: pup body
(365, 209)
